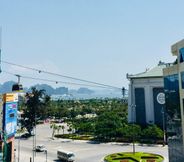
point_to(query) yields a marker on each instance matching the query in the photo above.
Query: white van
(65, 155)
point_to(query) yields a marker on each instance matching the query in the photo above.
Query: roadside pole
(133, 137)
(161, 101)
(33, 144)
(46, 155)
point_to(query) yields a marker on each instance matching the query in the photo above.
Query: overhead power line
(60, 75)
(52, 81)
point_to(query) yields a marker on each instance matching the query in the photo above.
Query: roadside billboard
(10, 118)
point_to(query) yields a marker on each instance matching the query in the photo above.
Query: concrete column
(129, 103)
(149, 104)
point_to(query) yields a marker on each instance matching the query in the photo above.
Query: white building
(143, 106)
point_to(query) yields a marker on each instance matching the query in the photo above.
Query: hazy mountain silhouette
(50, 90)
(84, 91)
(64, 91)
(7, 87)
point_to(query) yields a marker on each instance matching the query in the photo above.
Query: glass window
(181, 51)
(140, 106)
(182, 80)
(173, 118)
(183, 106)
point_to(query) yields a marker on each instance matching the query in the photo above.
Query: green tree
(58, 128)
(63, 128)
(152, 132)
(130, 131)
(84, 126)
(35, 108)
(54, 128)
(107, 125)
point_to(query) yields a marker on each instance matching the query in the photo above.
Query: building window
(158, 107)
(181, 52)
(140, 106)
(183, 106)
(173, 118)
(182, 79)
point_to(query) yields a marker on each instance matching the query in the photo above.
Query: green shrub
(152, 132)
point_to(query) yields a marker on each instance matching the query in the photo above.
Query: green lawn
(136, 157)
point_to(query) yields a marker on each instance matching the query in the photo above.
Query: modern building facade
(145, 92)
(174, 94)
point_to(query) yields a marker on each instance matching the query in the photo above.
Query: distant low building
(145, 99)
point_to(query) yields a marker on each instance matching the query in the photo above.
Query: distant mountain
(61, 90)
(84, 91)
(65, 93)
(50, 90)
(6, 87)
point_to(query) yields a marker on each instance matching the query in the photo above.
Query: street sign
(161, 98)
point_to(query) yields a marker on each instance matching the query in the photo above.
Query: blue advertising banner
(10, 118)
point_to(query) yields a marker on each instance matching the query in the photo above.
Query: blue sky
(97, 40)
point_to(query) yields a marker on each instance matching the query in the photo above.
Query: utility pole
(35, 129)
(132, 107)
(133, 124)
(46, 155)
(34, 149)
(163, 123)
(17, 87)
(161, 101)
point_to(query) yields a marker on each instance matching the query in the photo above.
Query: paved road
(85, 151)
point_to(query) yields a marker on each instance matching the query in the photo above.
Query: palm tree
(54, 128)
(58, 128)
(34, 108)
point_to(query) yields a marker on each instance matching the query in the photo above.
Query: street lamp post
(35, 131)
(163, 123)
(46, 155)
(161, 101)
(133, 120)
(33, 146)
(133, 117)
(19, 144)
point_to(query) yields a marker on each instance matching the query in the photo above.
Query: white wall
(148, 84)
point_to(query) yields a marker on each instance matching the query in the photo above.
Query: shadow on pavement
(57, 160)
(93, 142)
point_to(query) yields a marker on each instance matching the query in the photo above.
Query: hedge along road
(84, 150)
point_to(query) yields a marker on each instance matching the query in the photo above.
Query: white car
(40, 148)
